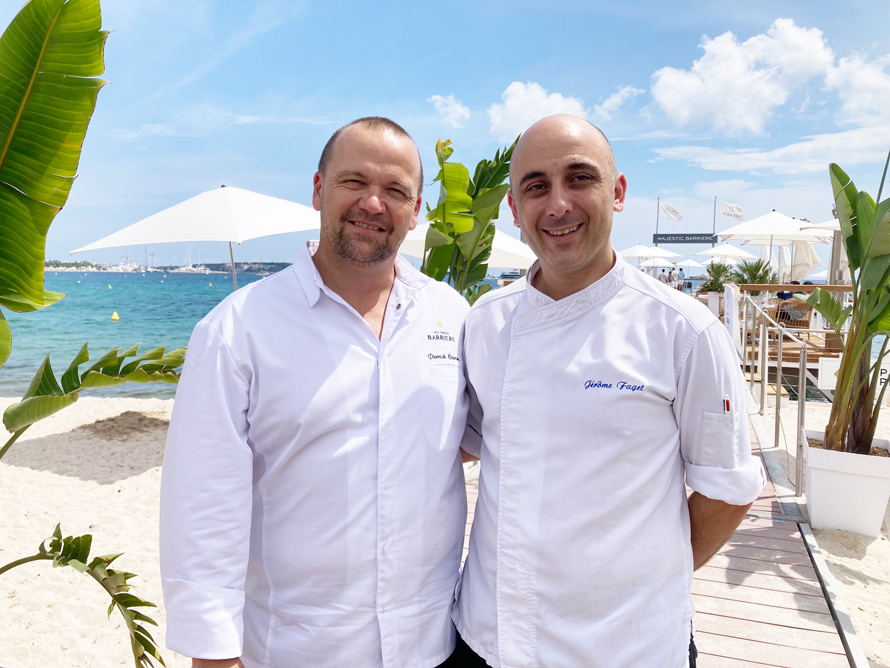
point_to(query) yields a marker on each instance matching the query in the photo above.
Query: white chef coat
(312, 502)
(592, 409)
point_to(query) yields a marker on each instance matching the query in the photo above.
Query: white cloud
(453, 112)
(523, 104)
(864, 89)
(603, 112)
(202, 121)
(813, 154)
(736, 87)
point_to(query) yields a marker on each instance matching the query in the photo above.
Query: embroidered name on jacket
(620, 385)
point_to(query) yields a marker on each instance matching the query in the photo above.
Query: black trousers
(465, 657)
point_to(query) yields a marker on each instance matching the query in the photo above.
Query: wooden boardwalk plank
(763, 597)
(822, 641)
(733, 578)
(766, 653)
(755, 612)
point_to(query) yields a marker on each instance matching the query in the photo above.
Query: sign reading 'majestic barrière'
(684, 239)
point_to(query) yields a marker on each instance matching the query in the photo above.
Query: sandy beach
(96, 468)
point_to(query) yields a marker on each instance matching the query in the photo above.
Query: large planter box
(846, 491)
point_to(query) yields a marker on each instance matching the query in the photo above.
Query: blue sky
(748, 101)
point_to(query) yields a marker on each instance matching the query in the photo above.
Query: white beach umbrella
(728, 250)
(774, 229)
(728, 261)
(819, 274)
(506, 252)
(805, 261)
(689, 263)
(222, 214)
(656, 263)
(834, 225)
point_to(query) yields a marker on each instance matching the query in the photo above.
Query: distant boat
(512, 274)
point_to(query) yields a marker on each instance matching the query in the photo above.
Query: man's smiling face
(564, 190)
(368, 195)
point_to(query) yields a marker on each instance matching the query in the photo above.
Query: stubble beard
(365, 252)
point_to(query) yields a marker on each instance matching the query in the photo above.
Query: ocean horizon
(154, 309)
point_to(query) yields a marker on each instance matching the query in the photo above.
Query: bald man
(313, 504)
(599, 394)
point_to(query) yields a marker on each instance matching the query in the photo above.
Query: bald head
(559, 125)
(564, 189)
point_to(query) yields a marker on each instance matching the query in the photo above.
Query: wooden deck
(758, 601)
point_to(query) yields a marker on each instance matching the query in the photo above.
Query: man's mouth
(562, 233)
(366, 226)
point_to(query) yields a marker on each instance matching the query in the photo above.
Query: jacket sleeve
(713, 419)
(206, 493)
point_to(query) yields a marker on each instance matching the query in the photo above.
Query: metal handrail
(762, 365)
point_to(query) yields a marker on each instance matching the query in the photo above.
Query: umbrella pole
(232, 258)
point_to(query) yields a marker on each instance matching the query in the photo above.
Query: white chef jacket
(592, 409)
(312, 501)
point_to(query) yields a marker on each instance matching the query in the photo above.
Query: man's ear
(416, 212)
(512, 207)
(316, 191)
(620, 192)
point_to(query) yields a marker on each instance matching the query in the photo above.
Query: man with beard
(312, 503)
(599, 394)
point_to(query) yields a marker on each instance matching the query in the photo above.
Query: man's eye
(397, 192)
(535, 187)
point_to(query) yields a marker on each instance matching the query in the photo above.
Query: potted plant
(718, 275)
(842, 472)
(756, 272)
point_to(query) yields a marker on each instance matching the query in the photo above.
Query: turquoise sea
(156, 309)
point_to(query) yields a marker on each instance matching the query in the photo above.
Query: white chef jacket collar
(548, 311)
(313, 285)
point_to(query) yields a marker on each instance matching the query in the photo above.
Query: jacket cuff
(203, 622)
(737, 487)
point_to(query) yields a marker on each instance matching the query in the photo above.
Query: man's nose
(558, 201)
(372, 203)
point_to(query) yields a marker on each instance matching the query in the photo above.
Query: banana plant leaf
(461, 232)
(5, 339)
(49, 57)
(45, 395)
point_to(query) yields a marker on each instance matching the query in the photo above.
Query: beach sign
(829, 367)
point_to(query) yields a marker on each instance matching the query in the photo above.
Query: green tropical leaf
(21, 304)
(438, 262)
(872, 272)
(45, 396)
(49, 55)
(486, 206)
(845, 195)
(436, 238)
(463, 215)
(880, 239)
(74, 552)
(476, 240)
(33, 409)
(472, 294)
(879, 318)
(5, 339)
(865, 220)
(828, 305)
(70, 379)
